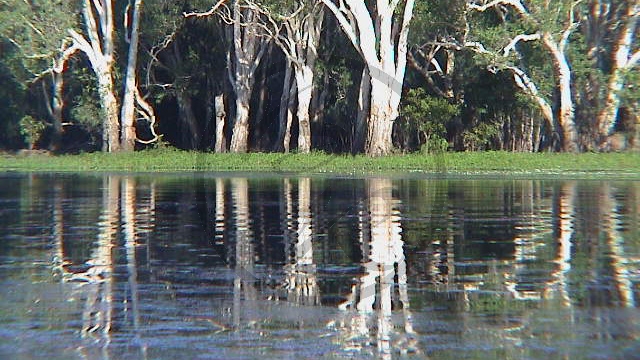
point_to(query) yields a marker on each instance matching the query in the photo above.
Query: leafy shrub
(31, 130)
(425, 117)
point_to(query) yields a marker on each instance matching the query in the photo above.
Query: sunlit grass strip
(168, 160)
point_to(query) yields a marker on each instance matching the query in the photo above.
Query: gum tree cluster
(373, 76)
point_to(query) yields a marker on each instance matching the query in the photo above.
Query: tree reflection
(384, 271)
(301, 283)
(243, 284)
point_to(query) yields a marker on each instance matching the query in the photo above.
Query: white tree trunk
(364, 105)
(127, 117)
(109, 105)
(383, 46)
(566, 117)
(381, 118)
(304, 81)
(98, 45)
(248, 49)
(240, 137)
(622, 62)
(221, 145)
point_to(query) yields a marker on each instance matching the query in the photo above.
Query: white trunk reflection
(385, 270)
(243, 284)
(302, 287)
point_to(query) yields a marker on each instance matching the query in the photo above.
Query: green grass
(169, 160)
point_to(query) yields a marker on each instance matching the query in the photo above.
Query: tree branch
(516, 4)
(206, 13)
(522, 37)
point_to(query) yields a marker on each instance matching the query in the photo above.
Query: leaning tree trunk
(566, 118)
(381, 37)
(623, 60)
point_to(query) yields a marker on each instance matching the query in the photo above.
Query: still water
(242, 267)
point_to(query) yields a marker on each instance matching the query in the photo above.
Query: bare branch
(516, 4)
(522, 37)
(206, 13)
(146, 111)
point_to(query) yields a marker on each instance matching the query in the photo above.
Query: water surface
(234, 267)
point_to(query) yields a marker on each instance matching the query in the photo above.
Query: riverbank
(168, 160)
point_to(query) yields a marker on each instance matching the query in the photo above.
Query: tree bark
(221, 144)
(55, 103)
(98, 45)
(127, 117)
(364, 105)
(240, 137)
(304, 80)
(109, 105)
(381, 118)
(623, 60)
(248, 49)
(566, 117)
(284, 113)
(383, 46)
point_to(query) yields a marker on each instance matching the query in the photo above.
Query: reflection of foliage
(427, 116)
(31, 130)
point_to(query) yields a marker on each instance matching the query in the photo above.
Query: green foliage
(31, 130)
(36, 30)
(480, 136)
(631, 92)
(427, 116)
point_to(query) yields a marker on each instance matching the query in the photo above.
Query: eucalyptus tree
(617, 20)
(249, 46)
(131, 93)
(379, 32)
(182, 62)
(98, 43)
(38, 49)
(295, 26)
(550, 23)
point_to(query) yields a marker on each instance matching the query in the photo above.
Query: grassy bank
(619, 164)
